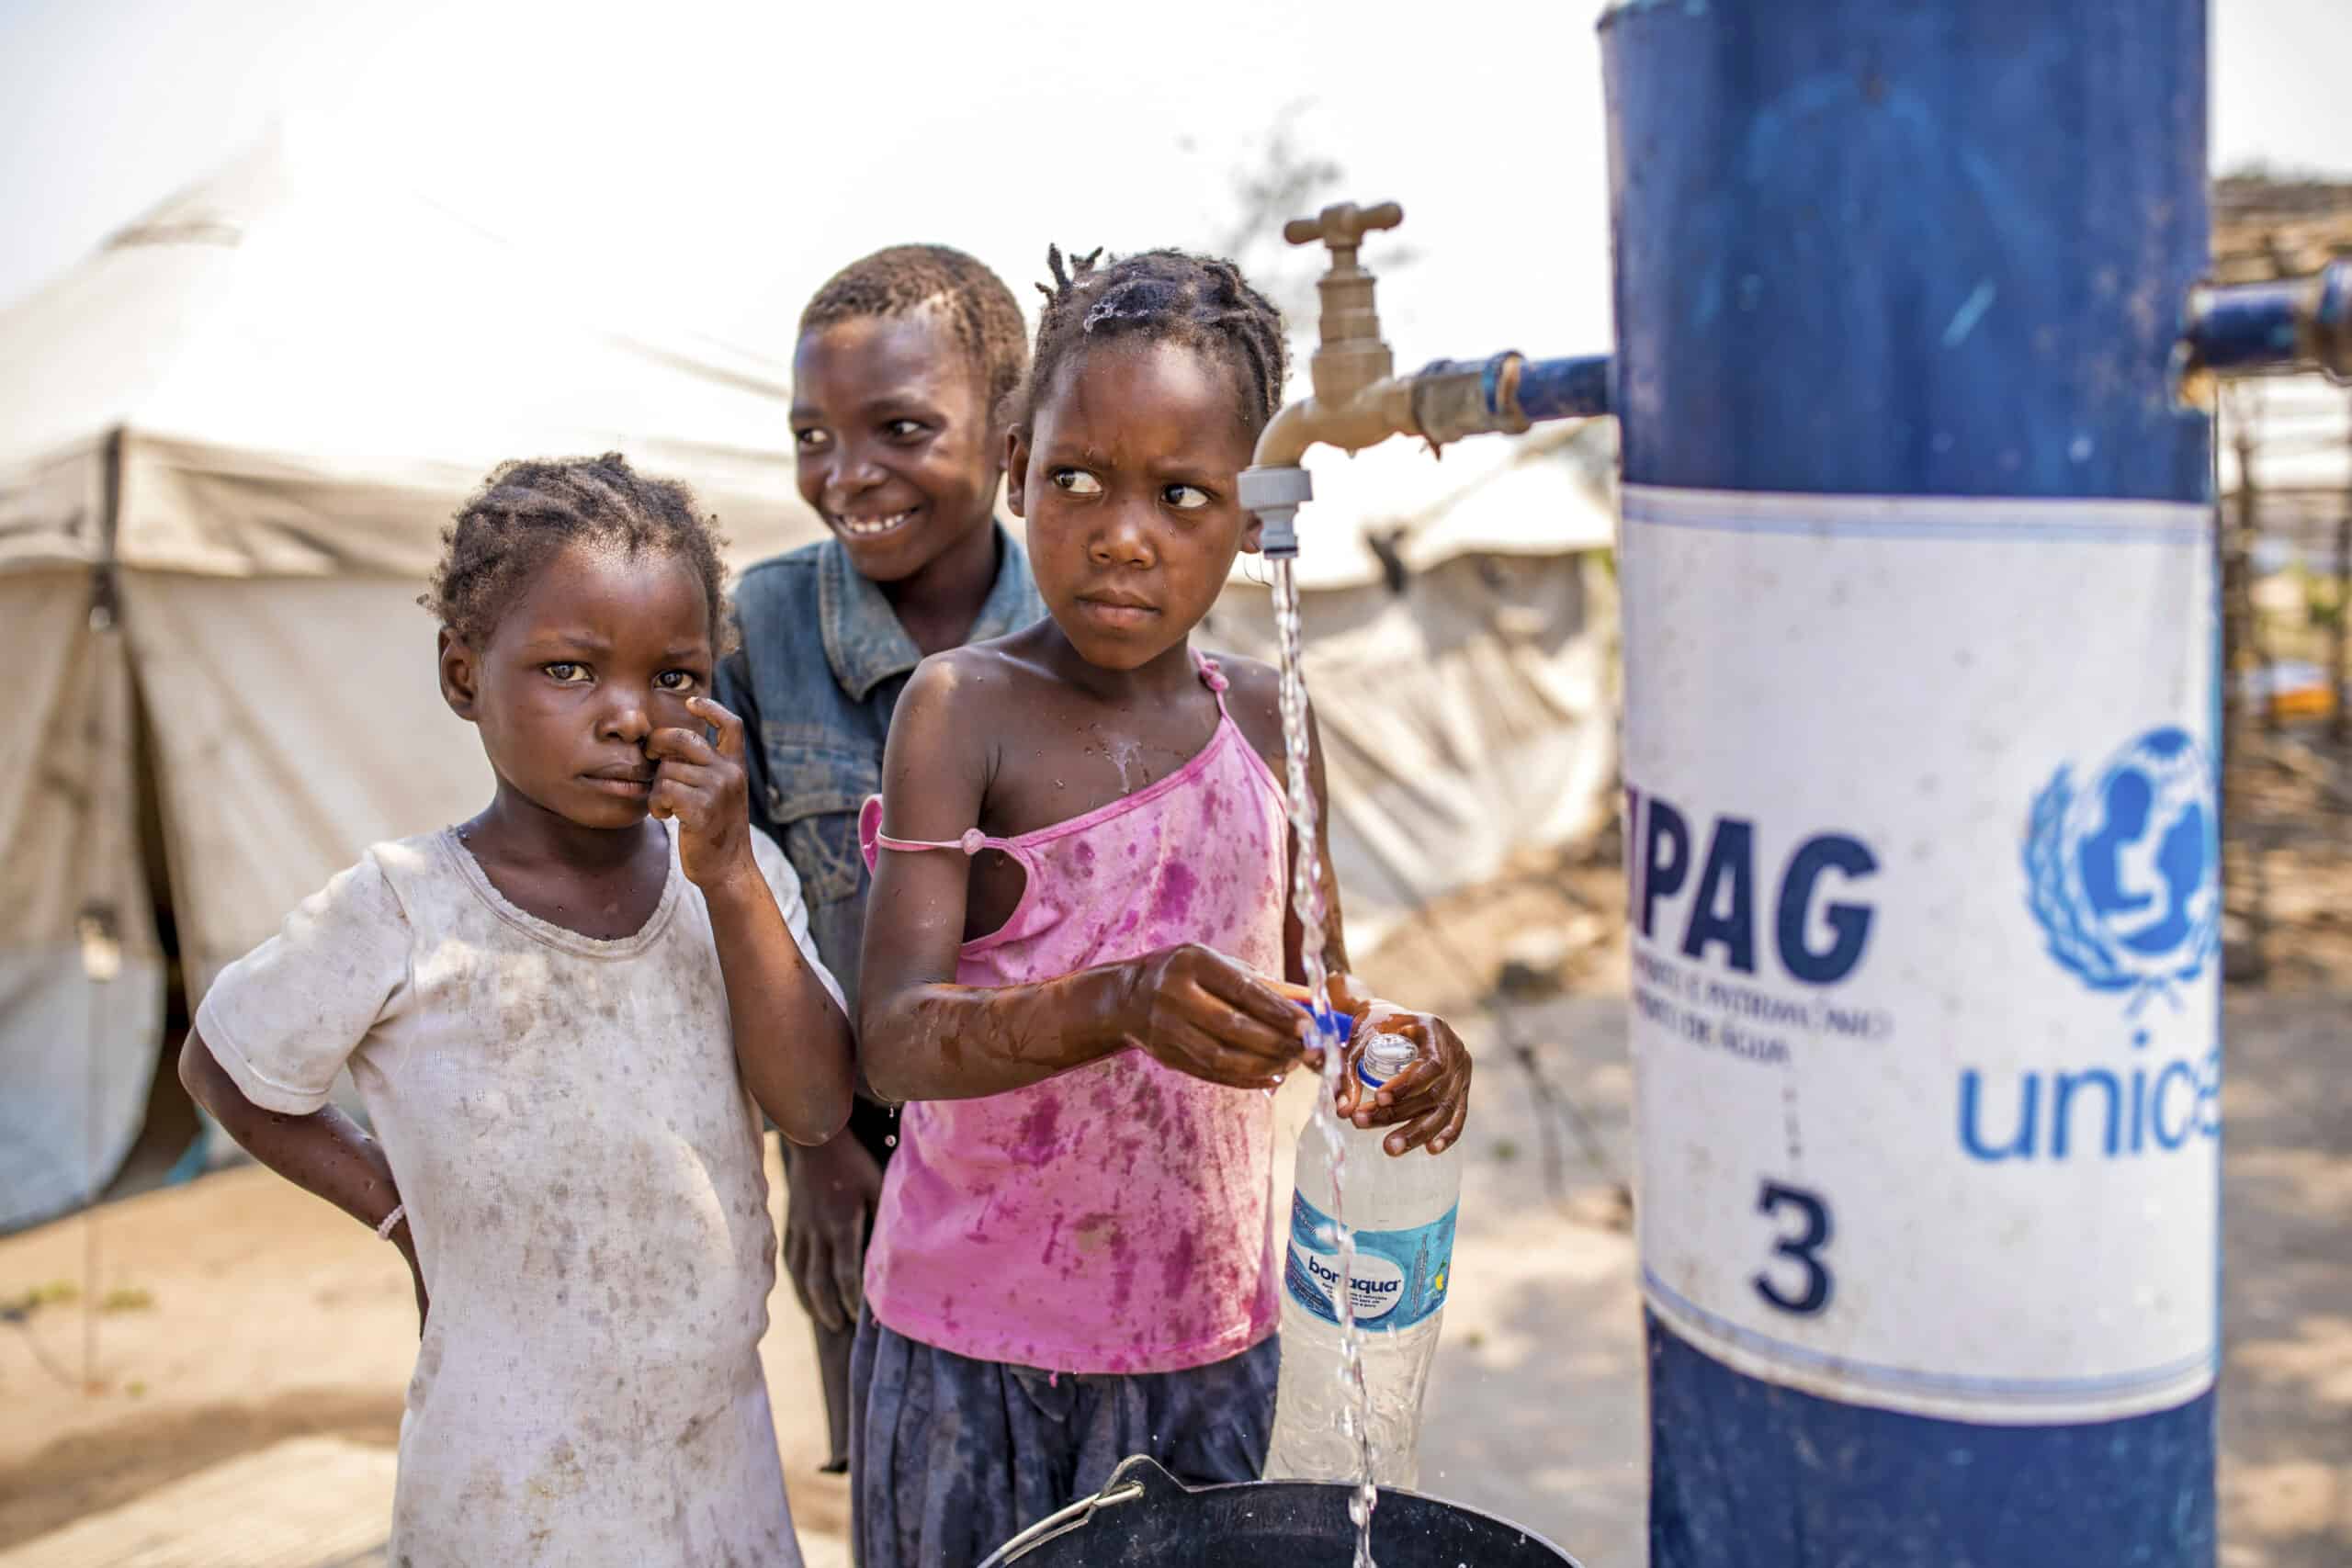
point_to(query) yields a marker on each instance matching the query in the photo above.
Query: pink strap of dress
(872, 840)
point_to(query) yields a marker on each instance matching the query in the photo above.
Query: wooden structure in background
(2285, 462)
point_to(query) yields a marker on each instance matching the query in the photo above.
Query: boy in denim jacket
(903, 361)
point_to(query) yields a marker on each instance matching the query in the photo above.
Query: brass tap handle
(1342, 225)
(1350, 356)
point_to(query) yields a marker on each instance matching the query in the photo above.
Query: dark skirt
(950, 1458)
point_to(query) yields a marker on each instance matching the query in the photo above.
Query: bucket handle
(1127, 1484)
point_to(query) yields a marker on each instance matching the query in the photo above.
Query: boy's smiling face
(599, 650)
(898, 448)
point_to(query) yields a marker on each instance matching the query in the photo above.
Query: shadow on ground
(2287, 1284)
(95, 1469)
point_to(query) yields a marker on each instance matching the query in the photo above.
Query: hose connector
(1275, 494)
(1455, 397)
(1509, 392)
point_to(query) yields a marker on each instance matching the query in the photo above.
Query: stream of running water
(1307, 898)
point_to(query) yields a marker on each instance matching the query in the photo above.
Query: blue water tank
(1921, 677)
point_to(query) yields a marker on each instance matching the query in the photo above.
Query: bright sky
(721, 159)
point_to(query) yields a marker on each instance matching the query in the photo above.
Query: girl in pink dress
(1079, 919)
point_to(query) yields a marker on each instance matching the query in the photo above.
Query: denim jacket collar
(863, 641)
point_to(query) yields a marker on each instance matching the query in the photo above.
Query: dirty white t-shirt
(580, 1163)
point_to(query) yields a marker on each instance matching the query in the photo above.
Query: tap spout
(1374, 414)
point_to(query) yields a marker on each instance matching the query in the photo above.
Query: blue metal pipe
(2250, 326)
(2289, 324)
(1565, 388)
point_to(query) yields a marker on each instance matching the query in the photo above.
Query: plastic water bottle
(1402, 1211)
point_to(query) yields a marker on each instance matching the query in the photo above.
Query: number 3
(1802, 1249)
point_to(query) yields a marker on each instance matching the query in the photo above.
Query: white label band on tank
(1922, 853)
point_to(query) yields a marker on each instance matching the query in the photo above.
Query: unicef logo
(2122, 875)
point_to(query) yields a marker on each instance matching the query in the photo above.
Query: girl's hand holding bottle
(1430, 1096)
(1193, 1008)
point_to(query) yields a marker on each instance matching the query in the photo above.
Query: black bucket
(1145, 1515)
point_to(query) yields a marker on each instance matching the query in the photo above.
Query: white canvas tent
(241, 425)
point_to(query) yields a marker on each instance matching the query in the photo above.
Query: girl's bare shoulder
(993, 672)
(1253, 698)
(971, 693)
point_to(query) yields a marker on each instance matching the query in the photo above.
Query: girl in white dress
(564, 1017)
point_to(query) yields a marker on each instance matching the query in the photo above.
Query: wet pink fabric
(1114, 1219)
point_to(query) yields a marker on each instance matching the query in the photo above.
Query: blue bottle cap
(1345, 1020)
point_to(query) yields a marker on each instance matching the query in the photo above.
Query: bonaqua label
(1399, 1277)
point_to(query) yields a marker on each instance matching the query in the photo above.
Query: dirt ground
(249, 1346)
(236, 1316)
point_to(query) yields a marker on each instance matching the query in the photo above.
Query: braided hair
(1158, 296)
(528, 510)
